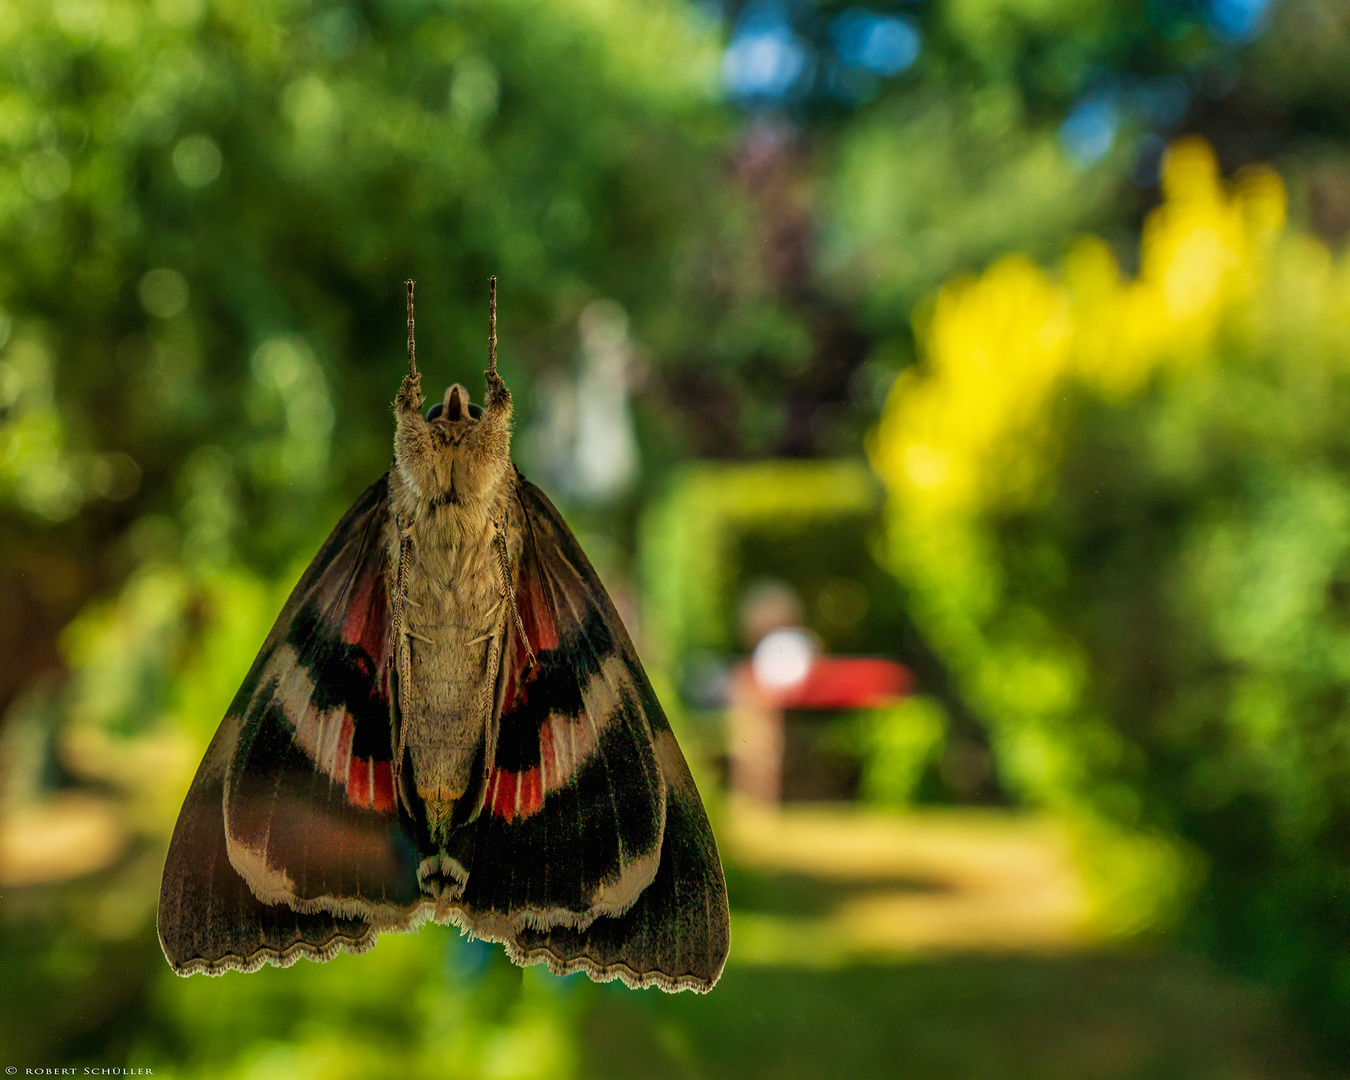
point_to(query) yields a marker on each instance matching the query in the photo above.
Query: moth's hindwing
(592, 833)
(209, 919)
(292, 815)
(677, 935)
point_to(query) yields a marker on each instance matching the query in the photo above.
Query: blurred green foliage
(208, 214)
(979, 181)
(207, 209)
(898, 745)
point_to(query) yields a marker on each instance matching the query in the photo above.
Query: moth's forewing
(209, 919)
(311, 816)
(288, 822)
(310, 809)
(574, 810)
(674, 931)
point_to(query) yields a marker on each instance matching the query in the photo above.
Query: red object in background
(843, 682)
(756, 714)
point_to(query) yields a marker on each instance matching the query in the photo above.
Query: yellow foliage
(973, 431)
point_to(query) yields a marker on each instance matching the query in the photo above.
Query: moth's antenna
(412, 344)
(492, 325)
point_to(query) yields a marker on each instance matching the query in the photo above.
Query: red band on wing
(541, 629)
(515, 795)
(366, 623)
(531, 787)
(564, 741)
(563, 744)
(358, 782)
(382, 795)
(370, 785)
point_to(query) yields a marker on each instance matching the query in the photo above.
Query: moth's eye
(475, 411)
(434, 411)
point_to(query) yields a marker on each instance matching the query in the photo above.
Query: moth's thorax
(454, 475)
(453, 560)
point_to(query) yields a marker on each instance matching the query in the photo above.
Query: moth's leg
(507, 585)
(497, 406)
(492, 434)
(412, 437)
(402, 654)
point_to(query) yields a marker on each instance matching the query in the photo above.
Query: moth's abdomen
(455, 623)
(447, 719)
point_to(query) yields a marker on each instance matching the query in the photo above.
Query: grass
(957, 1018)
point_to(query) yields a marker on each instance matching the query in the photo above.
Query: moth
(449, 722)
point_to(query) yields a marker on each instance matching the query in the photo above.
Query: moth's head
(454, 413)
(465, 458)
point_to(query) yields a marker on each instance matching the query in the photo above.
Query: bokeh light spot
(1089, 131)
(163, 292)
(181, 13)
(884, 44)
(783, 658)
(196, 160)
(765, 58)
(474, 91)
(1238, 20)
(46, 175)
